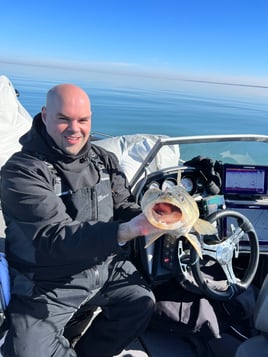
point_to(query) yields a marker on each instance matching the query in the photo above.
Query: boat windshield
(234, 149)
(249, 153)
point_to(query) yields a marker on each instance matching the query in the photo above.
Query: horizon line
(130, 69)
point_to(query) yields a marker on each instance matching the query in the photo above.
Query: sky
(202, 39)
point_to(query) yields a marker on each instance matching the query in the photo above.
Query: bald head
(67, 117)
(68, 94)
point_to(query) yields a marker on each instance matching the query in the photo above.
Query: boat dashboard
(227, 175)
(242, 176)
(241, 188)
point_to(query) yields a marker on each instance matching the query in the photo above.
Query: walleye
(176, 212)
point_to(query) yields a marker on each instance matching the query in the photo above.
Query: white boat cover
(131, 151)
(14, 120)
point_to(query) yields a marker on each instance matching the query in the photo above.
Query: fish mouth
(166, 213)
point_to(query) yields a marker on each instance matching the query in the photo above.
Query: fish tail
(152, 238)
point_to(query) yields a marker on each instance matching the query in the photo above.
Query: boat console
(244, 189)
(239, 210)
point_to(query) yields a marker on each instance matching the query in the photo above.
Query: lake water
(129, 104)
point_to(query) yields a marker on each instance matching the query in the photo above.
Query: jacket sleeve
(39, 231)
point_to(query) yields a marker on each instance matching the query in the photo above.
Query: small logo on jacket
(102, 197)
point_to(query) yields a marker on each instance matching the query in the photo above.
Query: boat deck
(159, 344)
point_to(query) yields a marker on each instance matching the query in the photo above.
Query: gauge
(187, 183)
(168, 184)
(153, 184)
(200, 183)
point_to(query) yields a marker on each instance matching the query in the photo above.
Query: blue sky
(192, 38)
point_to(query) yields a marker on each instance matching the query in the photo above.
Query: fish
(176, 212)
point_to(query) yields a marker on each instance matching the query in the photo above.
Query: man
(69, 214)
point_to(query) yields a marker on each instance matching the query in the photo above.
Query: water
(129, 104)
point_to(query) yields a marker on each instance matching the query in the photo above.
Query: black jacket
(44, 237)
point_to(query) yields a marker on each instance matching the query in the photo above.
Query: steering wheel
(222, 249)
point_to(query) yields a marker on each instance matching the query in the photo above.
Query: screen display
(244, 180)
(258, 216)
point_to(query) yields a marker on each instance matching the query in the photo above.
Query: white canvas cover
(14, 120)
(131, 150)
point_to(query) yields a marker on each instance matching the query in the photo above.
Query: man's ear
(44, 114)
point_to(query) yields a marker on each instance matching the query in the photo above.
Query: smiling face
(67, 117)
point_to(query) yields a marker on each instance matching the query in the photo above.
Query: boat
(232, 274)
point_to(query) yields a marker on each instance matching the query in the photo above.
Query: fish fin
(205, 227)
(152, 238)
(195, 243)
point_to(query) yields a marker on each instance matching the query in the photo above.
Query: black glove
(206, 167)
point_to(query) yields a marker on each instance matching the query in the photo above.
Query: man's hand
(137, 226)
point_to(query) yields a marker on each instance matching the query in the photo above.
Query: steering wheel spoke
(229, 273)
(237, 236)
(209, 250)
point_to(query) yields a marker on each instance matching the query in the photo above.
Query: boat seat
(258, 345)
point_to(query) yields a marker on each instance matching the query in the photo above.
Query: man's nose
(74, 125)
